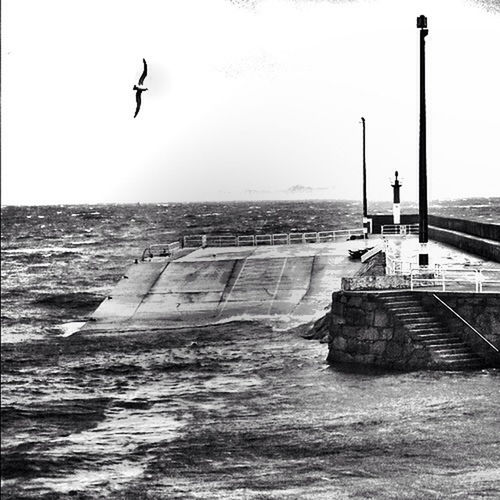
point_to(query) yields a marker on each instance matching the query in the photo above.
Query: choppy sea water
(239, 410)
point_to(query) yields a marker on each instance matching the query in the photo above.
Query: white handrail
(402, 229)
(445, 277)
(199, 240)
(465, 322)
(398, 266)
(161, 250)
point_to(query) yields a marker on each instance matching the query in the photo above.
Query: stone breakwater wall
(489, 249)
(376, 283)
(480, 310)
(479, 238)
(474, 228)
(363, 332)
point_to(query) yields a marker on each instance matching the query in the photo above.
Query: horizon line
(351, 200)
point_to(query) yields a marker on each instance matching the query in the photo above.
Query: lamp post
(423, 232)
(365, 204)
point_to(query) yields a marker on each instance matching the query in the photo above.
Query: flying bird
(139, 88)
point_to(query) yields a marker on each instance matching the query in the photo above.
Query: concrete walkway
(408, 249)
(292, 283)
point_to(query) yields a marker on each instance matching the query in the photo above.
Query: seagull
(139, 88)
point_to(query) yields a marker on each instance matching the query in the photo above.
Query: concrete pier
(288, 283)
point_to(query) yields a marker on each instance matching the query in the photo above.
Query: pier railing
(161, 250)
(399, 229)
(466, 323)
(394, 264)
(441, 276)
(207, 240)
(456, 278)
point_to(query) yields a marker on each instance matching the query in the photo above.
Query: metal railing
(453, 278)
(482, 337)
(445, 277)
(394, 264)
(204, 240)
(401, 229)
(161, 250)
(398, 266)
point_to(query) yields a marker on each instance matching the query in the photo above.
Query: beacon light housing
(421, 22)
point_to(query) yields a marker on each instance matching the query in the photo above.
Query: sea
(243, 410)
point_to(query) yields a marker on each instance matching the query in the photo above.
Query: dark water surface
(239, 410)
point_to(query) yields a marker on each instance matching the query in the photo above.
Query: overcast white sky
(245, 99)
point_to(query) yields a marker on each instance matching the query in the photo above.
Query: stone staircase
(448, 349)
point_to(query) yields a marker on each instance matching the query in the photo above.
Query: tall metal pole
(365, 204)
(423, 233)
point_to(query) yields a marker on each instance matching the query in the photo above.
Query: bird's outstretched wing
(138, 100)
(144, 73)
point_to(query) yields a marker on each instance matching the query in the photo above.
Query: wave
(110, 370)
(75, 300)
(71, 328)
(38, 250)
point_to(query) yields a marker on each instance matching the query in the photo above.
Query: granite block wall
(363, 332)
(480, 310)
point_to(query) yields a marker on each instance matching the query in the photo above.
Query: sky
(246, 100)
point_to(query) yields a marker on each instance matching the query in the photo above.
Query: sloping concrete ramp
(291, 283)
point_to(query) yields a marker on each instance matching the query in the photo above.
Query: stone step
(432, 329)
(439, 338)
(393, 303)
(419, 318)
(441, 342)
(435, 331)
(397, 294)
(439, 330)
(467, 356)
(400, 309)
(421, 322)
(472, 358)
(448, 349)
(465, 364)
(451, 349)
(403, 310)
(434, 334)
(414, 314)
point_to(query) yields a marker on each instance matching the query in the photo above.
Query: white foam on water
(35, 250)
(232, 384)
(70, 328)
(277, 321)
(113, 442)
(81, 480)
(122, 431)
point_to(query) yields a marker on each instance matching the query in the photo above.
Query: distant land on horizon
(492, 201)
